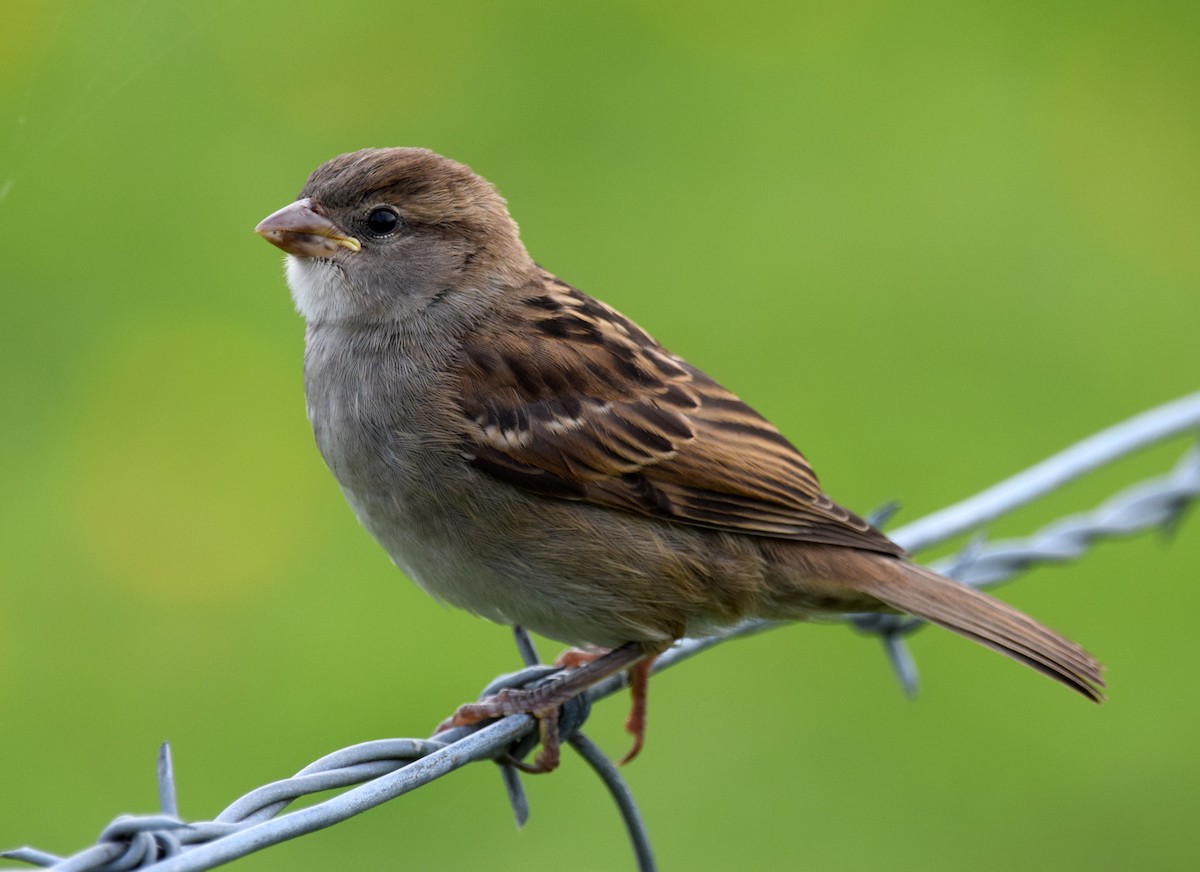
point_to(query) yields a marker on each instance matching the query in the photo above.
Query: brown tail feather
(980, 618)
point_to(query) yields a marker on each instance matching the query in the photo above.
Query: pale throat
(317, 289)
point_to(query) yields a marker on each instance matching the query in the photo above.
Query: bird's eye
(383, 221)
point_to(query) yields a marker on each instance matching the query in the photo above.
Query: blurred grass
(934, 242)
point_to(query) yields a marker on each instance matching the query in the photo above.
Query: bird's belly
(511, 568)
(572, 572)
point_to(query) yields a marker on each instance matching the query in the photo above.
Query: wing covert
(572, 400)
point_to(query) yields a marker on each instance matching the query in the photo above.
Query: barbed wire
(388, 768)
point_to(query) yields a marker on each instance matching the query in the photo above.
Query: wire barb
(375, 772)
(167, 802)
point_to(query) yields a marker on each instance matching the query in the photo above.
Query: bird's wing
(570, 399)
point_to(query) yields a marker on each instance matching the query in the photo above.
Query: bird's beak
(299, 229)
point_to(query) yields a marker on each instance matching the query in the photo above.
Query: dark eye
(383, 221)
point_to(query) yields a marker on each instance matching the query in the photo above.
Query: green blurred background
(934, 242)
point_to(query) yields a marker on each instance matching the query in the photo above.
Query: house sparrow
(526, 452)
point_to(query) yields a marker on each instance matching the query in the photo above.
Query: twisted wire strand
(1170, 419)
(1158, 502)
(388, 768)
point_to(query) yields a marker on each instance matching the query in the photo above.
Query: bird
(525, 452)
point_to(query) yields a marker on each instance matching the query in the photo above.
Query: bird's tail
(983, 619)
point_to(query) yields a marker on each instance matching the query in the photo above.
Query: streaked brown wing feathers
(572, 400)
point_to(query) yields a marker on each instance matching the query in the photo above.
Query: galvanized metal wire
(372, 773)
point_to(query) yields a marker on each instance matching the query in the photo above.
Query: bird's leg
(543, 701)
(639, 683)
(635, 724)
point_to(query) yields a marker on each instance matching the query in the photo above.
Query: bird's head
(385, 233)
